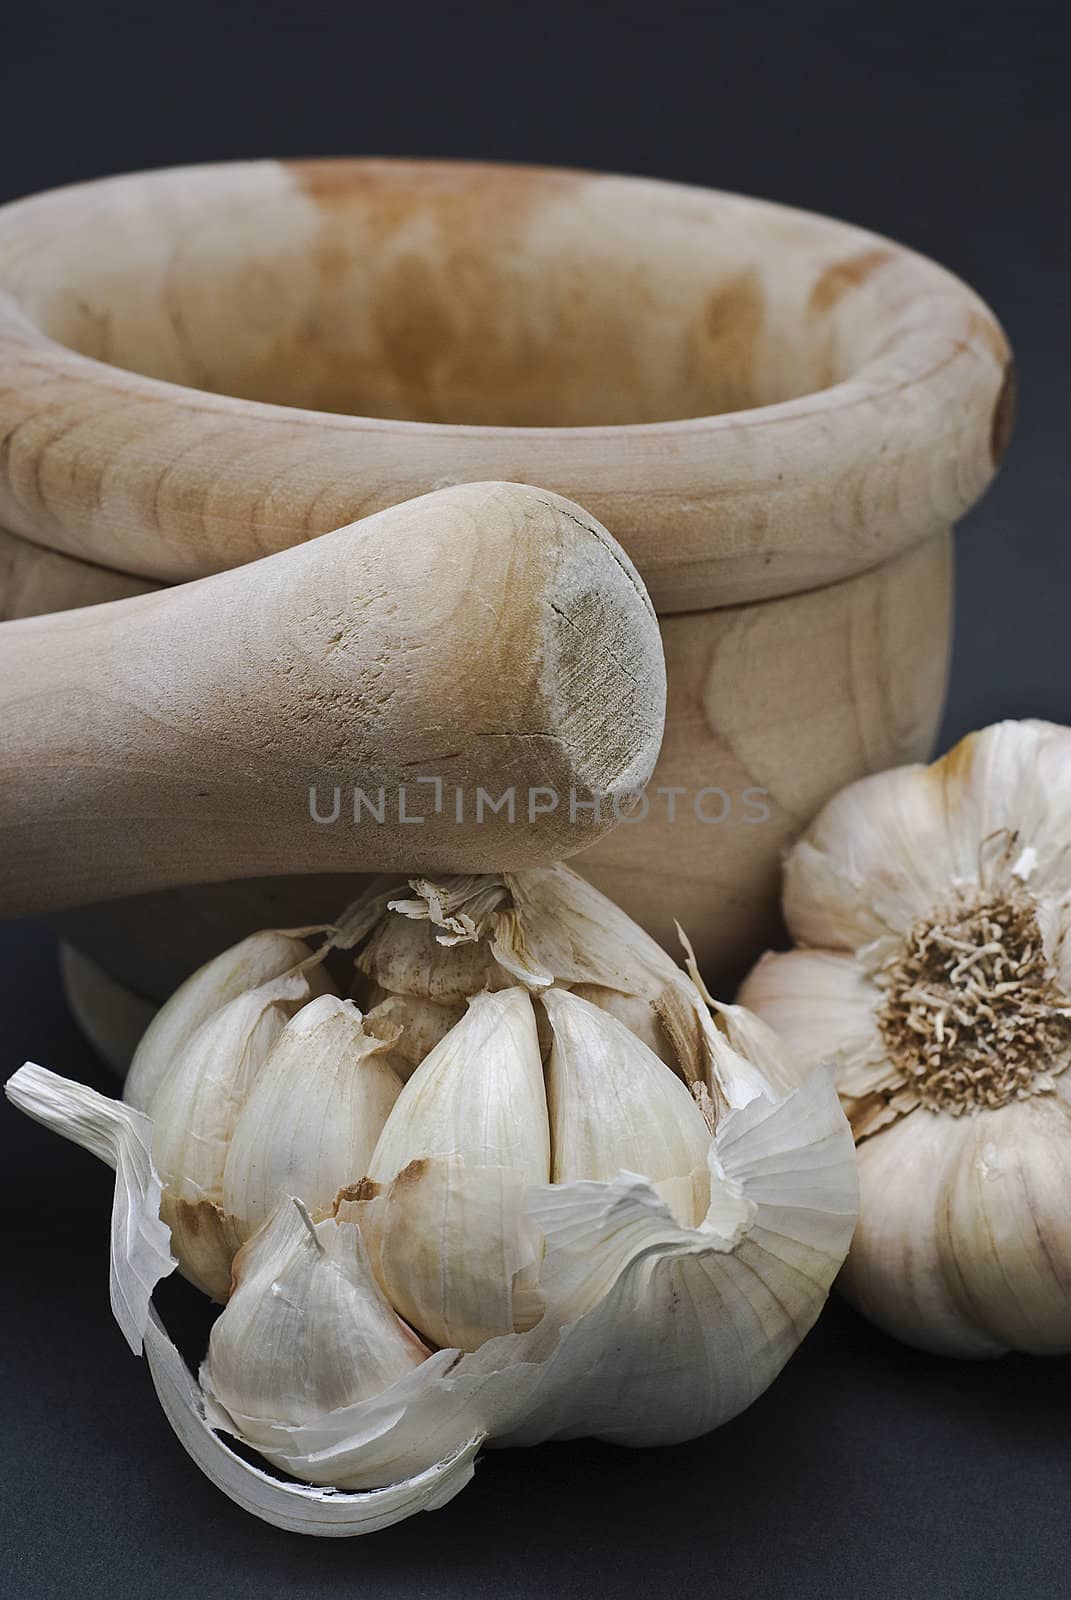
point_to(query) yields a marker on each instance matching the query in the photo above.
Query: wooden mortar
(780, 417)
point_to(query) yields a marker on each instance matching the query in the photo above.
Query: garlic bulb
(550, 1230)
(932, 906)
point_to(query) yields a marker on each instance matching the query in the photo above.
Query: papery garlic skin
(468, 1133)
(306, 1329)
(311, 1119)
(244, 966)
(615, 1107)
(939, 902)
(195, 1111)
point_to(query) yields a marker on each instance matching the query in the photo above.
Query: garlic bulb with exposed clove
(550, 1230)
(932, 907)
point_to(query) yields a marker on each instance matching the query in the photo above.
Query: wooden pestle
(491, 636)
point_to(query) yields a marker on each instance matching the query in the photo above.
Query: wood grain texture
(205, 365)
(489, 636)
(779, 415)
(35, 580)
(796, 697)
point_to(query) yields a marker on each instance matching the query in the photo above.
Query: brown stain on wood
(398, 188)
(1003, 421)
(442, 303)
(841, 276)
(729, 335)
(984, 329)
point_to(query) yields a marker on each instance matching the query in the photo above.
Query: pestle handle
(491, 636)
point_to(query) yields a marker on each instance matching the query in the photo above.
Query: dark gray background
(868, 1471)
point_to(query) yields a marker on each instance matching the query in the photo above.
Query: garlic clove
(894, 1274)
(413, 1025)
(452, 1248)
(478, 1094)
(306, 1329)
(405, 956)
(312, 1116)
(615, 1107)
(820, 1003)
(636, 1012)
(392, 1489)
(1004, 1244)
(244, 966)
(1005, 791)
(1051, 842)
(468, 1131)
(194, 1113)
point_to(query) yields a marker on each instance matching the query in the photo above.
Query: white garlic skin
(306, 1329)
(614, 1107)
(244, 966)
(468, 1133)
(964, 1240)
(237, 1124)
(312, 1117)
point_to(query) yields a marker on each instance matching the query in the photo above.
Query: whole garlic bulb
(932, 907)
(593, 1208)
